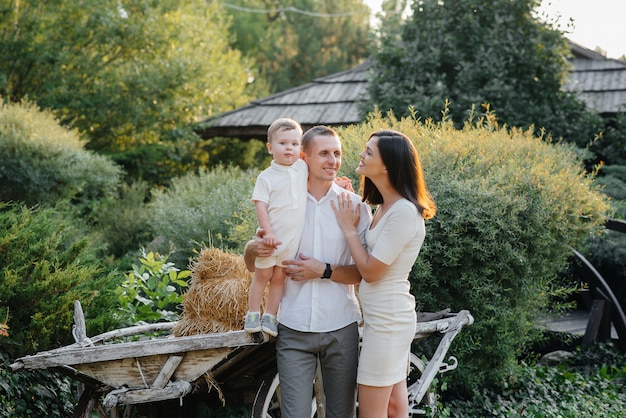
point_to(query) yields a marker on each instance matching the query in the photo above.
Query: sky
(597, 23)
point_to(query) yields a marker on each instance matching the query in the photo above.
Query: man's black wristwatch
(327, 272)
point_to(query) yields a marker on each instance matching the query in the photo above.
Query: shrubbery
(123, 221)
(199, 208)
(590, 384)
(43, 162)
(46, 263)
(34, 394)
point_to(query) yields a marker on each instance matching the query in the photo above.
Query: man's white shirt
(319, 305)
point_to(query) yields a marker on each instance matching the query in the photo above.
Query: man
(319, 312)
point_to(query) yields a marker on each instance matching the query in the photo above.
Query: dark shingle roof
(600, 82)
(333, 100)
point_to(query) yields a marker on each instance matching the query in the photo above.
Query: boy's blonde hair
(282, 124)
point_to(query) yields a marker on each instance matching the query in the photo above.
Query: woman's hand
(347, 216)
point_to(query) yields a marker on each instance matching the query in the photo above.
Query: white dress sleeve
(399, 226)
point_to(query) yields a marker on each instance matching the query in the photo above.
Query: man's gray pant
(297, 354)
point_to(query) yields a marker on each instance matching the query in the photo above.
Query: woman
(393, 180)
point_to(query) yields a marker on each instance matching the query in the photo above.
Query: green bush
(610, 147)
(200, 207)
(123, 221)
(613, 180)
(591, 384)
(46, 263)
(510, 206)
(617, 171)
(43, 162)
(34, 394)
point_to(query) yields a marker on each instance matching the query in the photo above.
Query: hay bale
(217, 298)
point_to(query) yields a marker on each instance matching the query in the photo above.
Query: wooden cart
(117, 375)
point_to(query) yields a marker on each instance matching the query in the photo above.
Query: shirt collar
(295, 166)
(332, 192)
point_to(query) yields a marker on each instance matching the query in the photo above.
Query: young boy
(279, 197)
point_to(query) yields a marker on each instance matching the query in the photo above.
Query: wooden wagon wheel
(90, 403)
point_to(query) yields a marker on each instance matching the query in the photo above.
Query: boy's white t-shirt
(284, 190)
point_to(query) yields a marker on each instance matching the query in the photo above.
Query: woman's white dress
(388, 306)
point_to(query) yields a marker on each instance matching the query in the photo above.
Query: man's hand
(305, 268)
(256, 248)
(345, 183)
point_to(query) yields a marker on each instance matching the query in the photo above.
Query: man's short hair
(318, 130)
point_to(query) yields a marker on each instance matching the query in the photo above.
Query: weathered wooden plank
(80, 329)
(76, 375)
(135, 330)
(593, 325)
(236, 356)
(431, 316)
(141, 372)
(166, 372)
(135, 373)
(196, 363)
(442, 325)
(131, 397)
(134, 349)
(118, 333)
(434, 364)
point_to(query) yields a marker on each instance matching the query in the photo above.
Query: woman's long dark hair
(405, 172)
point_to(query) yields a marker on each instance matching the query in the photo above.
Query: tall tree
(130, 75)
(475, 52)
(295, 41)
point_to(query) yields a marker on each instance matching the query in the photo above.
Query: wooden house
(599, 81)
(334, 99)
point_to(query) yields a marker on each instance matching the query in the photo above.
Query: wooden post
(599, 324)
(80, 330)
(80, 335)
(605, 325)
